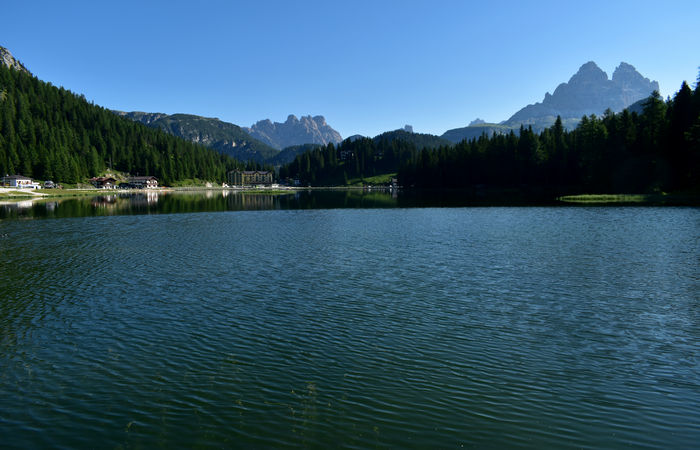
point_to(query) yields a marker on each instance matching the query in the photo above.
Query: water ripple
(532, 327)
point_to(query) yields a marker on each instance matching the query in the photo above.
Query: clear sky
(367, 66)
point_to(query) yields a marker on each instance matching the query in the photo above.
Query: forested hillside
(51, 133)
(656, 150)
(224, 137)
(359, 158)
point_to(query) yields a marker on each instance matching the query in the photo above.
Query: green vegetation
(190, 182)
(288, 154)
(49, 133)
(420, 140)
(359, 159)
(657, 150)
(211, 132)
(474, 131)
(607, 198)
(377, 180)
(16, 194)
(678, 198)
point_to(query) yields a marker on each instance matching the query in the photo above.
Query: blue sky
(367, 66)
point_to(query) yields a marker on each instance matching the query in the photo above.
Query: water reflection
(170, 202)
(193, 201)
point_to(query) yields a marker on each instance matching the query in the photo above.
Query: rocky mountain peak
(294, 131)
(588, 91)
(8, 60)
(627, 76)
(589, 73)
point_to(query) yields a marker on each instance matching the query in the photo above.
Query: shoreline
(12, 195)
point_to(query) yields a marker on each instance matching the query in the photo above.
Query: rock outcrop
(307, 130)
(8, 60)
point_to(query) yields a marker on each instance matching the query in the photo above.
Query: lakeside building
(103, 182)
(18, 181)
(250, 178)
(148, 182)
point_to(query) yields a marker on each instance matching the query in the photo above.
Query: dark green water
(367, 326)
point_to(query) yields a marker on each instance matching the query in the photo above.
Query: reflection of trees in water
(184, 202)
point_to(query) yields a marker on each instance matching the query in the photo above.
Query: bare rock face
(633, 86)
(8, 60)
(588, 92)
(294, 131)
(143, 117)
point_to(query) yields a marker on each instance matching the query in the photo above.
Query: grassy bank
(684, 198)
(377, 180)
(608, 198)
(15, 194)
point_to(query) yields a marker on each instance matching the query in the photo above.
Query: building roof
(146, 178)
(252, 172)
(15, 177)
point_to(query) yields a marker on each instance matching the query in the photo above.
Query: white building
(18, 181)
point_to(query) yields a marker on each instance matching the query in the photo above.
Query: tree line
(50, 133)
(657, 149)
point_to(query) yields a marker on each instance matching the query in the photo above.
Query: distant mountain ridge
(475, 130)
(588, 91)
(294, 131)
(420, 140)
(224, 137)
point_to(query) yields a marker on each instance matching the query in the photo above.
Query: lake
(335, 320)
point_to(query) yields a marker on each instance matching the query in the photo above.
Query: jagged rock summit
(294, 131)
(8, 60)
(589, 91)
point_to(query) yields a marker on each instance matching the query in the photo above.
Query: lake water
(270, 321)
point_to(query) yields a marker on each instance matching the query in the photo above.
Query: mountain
(50, 133)
(288, 154)
(223, 137)
(7, 60)
(354, 137)
(638, 106)
(420, 140)
(307, 130)
(589, 91)
(474, 131)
